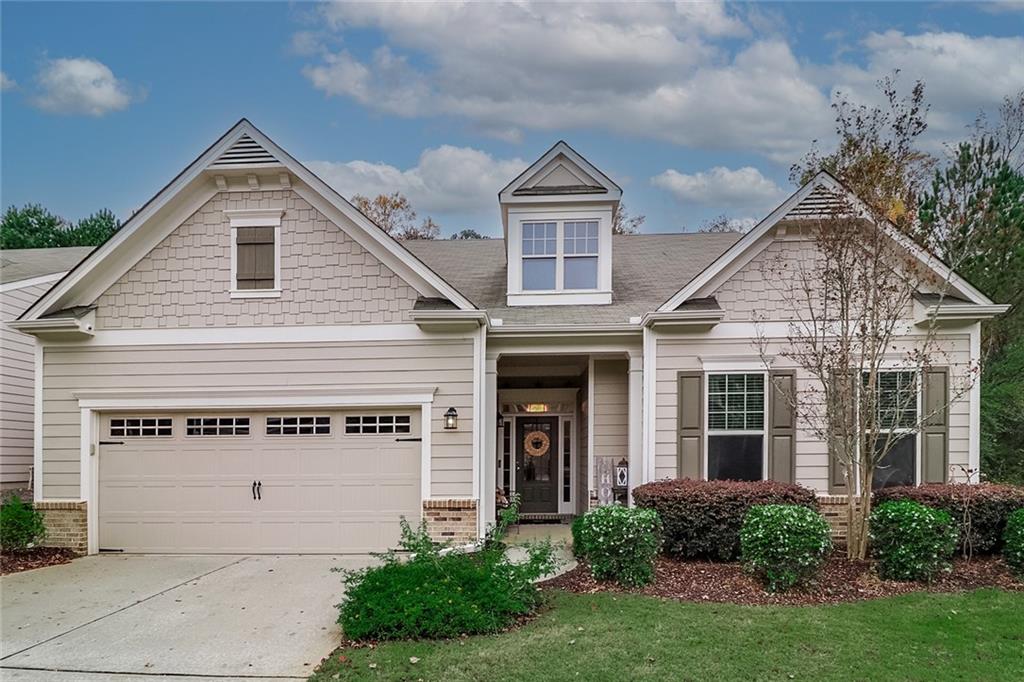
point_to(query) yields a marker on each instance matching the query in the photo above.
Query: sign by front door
(537, 464)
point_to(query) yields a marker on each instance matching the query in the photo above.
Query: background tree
(718, 224)
(624, 223)
(467, 234)
(394, 214)
(34, 227)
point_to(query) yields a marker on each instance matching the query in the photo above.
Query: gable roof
(578, 177)
(646, 269)
(818, 198)
(18, 265)
(243, 147)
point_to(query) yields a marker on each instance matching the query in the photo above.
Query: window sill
(256, 293)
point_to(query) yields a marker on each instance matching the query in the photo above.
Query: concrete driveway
(117, 616)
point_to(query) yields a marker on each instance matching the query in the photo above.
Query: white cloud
(6, 83)
(81, 86)
(446, 179)
(720, 187)
(640, 69)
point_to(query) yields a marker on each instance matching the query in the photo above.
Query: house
(25, 275)
(251, 365)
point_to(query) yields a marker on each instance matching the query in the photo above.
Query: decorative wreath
(537, 443)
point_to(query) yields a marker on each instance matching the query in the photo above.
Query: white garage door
(273, 482)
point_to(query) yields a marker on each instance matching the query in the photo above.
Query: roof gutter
(682, 319)
(450, 320)
(961, 312)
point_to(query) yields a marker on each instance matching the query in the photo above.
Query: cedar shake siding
(326, 276)
(444, 363)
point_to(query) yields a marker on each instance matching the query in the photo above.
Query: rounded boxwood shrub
(436, 593)
(1013, 546)
(619, 543)
(702, 519)
(980, 510)
(21, 525)
(783, 544)
(912, 541)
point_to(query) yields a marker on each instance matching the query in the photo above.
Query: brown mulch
(839, 581)
(37, 557)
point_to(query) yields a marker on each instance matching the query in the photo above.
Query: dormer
(557, 219)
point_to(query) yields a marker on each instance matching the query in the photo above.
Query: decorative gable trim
(196, 185)
(818, 198)
(588, 178)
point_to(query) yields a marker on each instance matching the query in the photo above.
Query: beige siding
(326, 277)
(611, 408)
(17, 378)
(681, 354)
(446, 364)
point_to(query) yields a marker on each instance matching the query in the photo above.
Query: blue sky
(696, 110)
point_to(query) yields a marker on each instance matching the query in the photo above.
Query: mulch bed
(38, 557)
(839, 581)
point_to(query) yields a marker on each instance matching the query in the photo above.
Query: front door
(537, 464)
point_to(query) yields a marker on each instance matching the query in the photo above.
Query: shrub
(702, 519)
(783, 544)
(989, 504)
(439, 593)
(619, 543)
(21, 525)
(1013, 546)
(912, 541)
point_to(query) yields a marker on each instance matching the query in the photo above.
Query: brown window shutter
(690, 447)
(935, 431)
(836, 469)
(782, 427)
(254, 262)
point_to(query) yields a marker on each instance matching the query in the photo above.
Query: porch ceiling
(542, 366)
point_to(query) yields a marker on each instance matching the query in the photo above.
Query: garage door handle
(254, 490)
(111, 442)
(408, 440)
(259, 490)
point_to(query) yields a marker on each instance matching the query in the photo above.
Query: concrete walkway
(117, 617)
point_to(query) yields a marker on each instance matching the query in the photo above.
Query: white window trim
(560, 256)
(763, 432)
(256, 217)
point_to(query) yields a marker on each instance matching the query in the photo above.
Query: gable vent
(245, 152)
(820, 203)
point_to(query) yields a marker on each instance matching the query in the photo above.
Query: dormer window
(571, 268)
(557, 217)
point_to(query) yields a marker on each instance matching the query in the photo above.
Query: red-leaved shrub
(980, 510)
(702, 519)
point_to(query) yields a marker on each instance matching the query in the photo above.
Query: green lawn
(974, 636)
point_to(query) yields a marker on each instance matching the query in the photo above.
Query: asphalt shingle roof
(647, 269)
(19, 264)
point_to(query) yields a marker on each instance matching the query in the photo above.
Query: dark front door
(537, 464)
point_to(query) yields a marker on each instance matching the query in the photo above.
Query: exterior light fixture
(451, 419)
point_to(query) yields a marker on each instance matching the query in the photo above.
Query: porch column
(636, 421)
(490, 441)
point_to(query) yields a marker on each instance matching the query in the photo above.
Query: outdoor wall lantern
(451, 419)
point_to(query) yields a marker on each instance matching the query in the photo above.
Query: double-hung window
(560, 255)
(735, 426)
(896, 416)
(540, 256)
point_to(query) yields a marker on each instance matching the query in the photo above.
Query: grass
(972, 636)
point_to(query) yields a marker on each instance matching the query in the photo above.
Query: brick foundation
(451, 520)
(66, 525)
(833, 508)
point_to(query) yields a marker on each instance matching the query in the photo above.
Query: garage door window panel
(299, 426)
(217, 426)
(141, 427)
(378, 424)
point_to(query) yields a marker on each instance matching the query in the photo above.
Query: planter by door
(537, 464)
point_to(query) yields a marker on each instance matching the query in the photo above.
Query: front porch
(564, 430)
